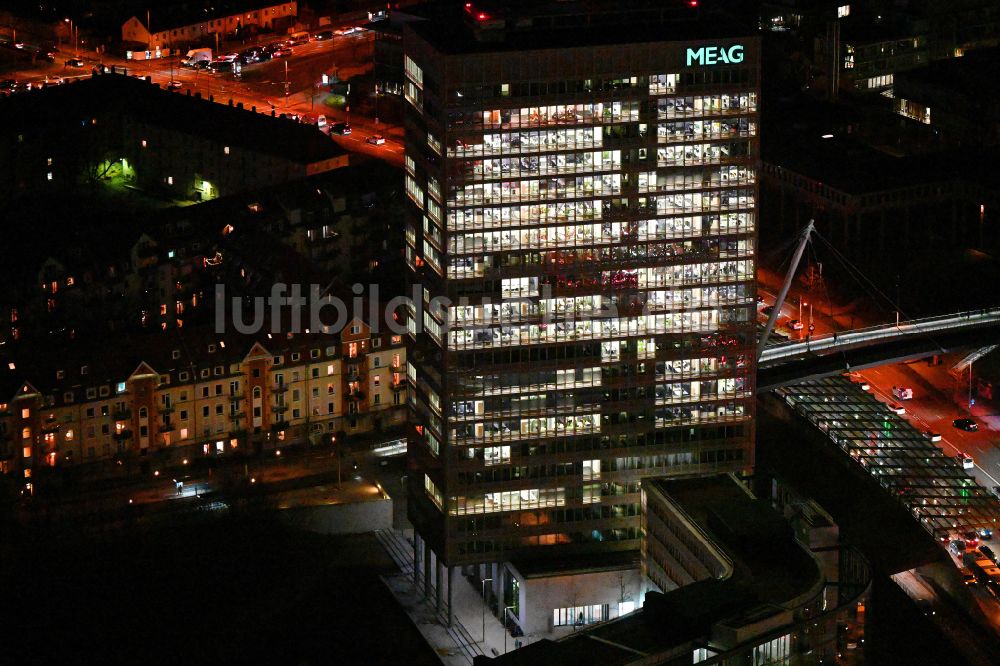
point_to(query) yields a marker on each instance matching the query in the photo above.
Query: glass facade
(595, 238)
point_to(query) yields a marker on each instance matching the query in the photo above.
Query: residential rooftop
(190, 13)
(109, 95)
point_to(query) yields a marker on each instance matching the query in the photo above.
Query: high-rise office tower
(584, 193)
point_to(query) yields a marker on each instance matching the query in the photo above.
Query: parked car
(74, 62)
(932, 436)
(376, 139)
(968, 425)
(322, 35)
(986, 550)
(341, 128)
(220, 66)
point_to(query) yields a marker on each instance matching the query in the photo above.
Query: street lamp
(484, 608)
(505, 609)
(76, 46)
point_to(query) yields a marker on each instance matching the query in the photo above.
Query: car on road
(957, 547)
(74, 62)
(902, 392)
(50, 81)
(968, 577)
(932, 436)
(966, 461)
(861, 383)
(322, 35)
(971, 539)
(376, 139)
(767, 310)
(986, 534)
(173, 85)
(968, 425)
(317, 120)
(7, 86)
(987, 551)
(281, 51)
(341, 128)
(795, 325)
(896, 408)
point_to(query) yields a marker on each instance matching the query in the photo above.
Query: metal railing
(834, 341)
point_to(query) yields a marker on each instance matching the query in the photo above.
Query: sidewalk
(459, 644)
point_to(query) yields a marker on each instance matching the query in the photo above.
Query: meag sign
(714, 55)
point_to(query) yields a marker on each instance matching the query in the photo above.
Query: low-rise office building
(740, 584)
(958, 98)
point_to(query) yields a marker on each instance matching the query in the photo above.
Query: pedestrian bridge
(821, 356)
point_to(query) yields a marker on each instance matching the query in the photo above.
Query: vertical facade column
(427, 571)
(416, 559)
(451, 597)
(439, 585)
(500, 579)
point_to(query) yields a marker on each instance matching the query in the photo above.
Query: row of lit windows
(536, 189)
(552, 213)
(561, 163)
(536, 334)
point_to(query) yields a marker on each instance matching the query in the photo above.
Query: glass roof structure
(928, 482)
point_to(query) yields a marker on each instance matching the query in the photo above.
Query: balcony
(166, 409)
(121, 414)
(124, 435)
(280, 388)
(168, 427)
(399, 386)
(357, 395)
